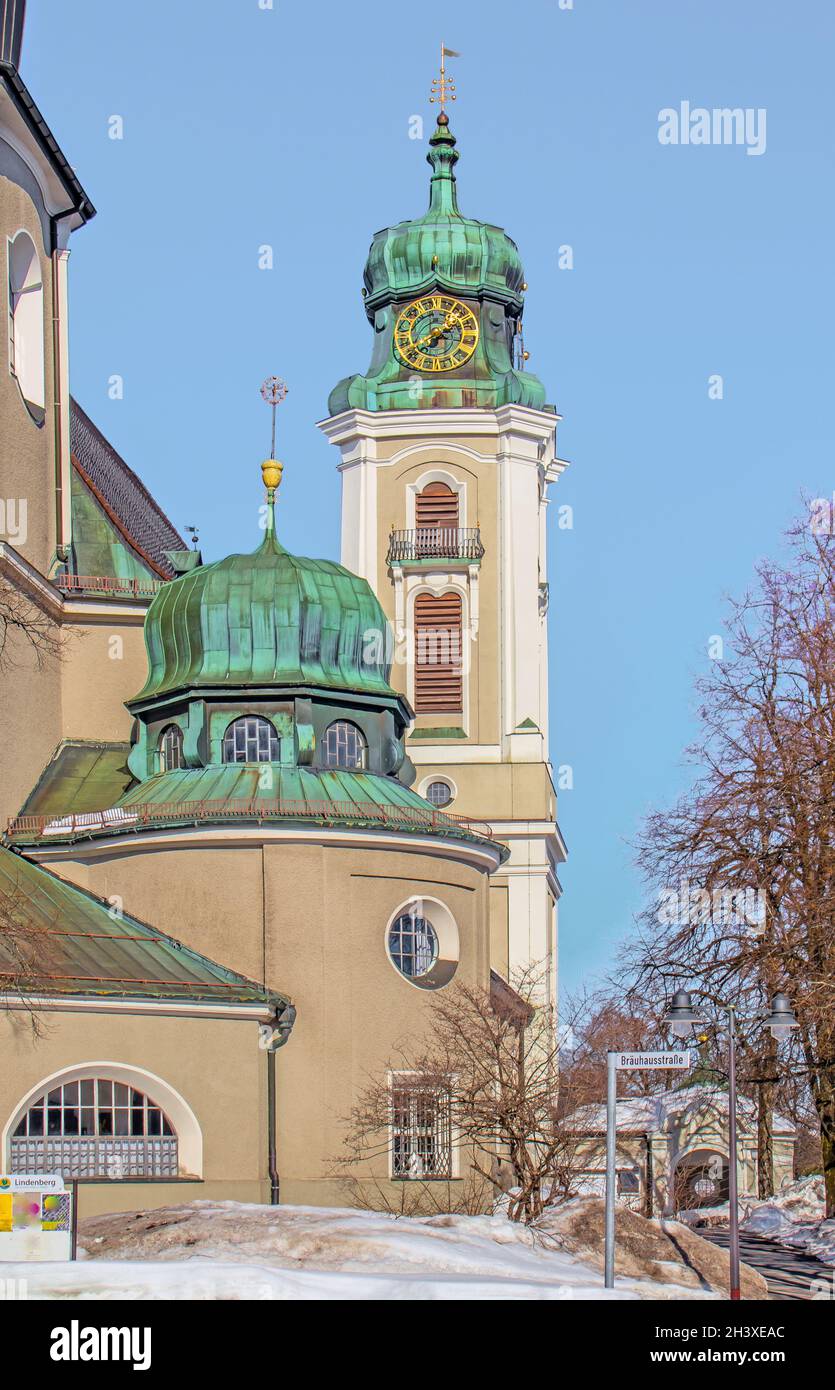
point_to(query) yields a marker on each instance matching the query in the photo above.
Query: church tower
(447, 449)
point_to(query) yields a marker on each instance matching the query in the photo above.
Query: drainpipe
(274, 1035)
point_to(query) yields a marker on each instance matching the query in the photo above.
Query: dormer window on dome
(171, 749)
(250, 739)
(344, 746)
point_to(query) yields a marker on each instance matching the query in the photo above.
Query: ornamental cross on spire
(443, 87)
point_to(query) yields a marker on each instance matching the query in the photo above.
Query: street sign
(651, 1061)
(625, 1061)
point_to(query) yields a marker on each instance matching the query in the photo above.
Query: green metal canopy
(72, 943)
(268, 618)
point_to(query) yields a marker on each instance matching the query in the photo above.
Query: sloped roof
(657, 1112)
(77, 946)
(82, 776)
(125, 499)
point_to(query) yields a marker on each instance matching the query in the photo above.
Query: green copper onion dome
(474, 263)
(269, 618)
(442, 248)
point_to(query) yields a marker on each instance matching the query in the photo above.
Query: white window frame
(27, 342)
(400, 1080)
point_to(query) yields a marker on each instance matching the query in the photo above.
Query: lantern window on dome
(251, 739)
(171, 749)
(344, 746)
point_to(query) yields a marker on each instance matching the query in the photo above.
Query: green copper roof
(76, 945)
(230, 793)
(81, 776)
(268, 618)
(443, 251)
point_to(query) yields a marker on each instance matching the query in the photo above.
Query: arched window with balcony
(26, 323)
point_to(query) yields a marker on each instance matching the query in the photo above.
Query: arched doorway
(701, 1180)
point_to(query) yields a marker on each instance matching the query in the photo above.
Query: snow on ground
(209, 1250)
(793, 1217)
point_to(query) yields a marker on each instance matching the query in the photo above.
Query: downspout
(60, 405)
(274, 1035)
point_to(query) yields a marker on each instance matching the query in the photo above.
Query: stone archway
(700, 1179)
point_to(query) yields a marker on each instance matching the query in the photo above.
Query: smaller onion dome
(265, 619)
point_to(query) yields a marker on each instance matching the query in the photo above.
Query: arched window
(436, 505)
(171, 748)
(439, 793)
(26, 327)
(95, 1128)
(413, 944)
(250, 739)
(344, 745)
(439, 685)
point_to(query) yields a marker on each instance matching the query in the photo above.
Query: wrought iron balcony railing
(435, 543)
(88, 585)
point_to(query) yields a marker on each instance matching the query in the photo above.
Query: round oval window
(439, 793)
(413, 945)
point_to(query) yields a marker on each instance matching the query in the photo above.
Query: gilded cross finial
(443, 87)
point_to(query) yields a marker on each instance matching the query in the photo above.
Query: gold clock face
(436, 334)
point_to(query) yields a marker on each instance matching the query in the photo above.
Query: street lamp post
(682, 1019)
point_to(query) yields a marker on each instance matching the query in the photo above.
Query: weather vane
(443, 86)
(274, 391)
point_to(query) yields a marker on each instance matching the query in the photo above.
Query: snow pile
(210, 1250)
(794, 1218)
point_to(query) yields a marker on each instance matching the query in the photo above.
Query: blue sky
(290, 127)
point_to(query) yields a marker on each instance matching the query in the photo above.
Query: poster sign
(35, 1217)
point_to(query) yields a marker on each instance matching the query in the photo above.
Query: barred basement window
(421, 1129)
(413, 945)
(171, 748)
(344, 746)
(96, 1128)
(439, 687)
(250, 739)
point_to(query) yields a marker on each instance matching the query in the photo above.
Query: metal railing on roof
(108, 584)
(140, 817)
(435, 543)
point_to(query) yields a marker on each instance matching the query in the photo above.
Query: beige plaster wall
(27, 450)
(311, 919)
(215, 1065)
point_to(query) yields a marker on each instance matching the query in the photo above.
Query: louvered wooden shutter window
(437, 505)
(439, 687)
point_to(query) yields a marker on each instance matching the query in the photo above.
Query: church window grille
(344, 746)
(421, 1128)
(95, 1128)
(413, 944)
(250, 739)
(171, 749)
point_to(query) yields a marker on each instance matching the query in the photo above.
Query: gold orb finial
(271, 471)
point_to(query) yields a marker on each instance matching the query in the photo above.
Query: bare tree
(758, 827)
(487, 1070)
(23, 944)
(20, 618)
